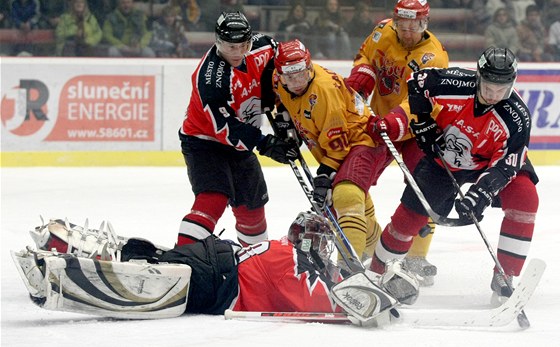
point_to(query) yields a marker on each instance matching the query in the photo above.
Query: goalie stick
(495, 317)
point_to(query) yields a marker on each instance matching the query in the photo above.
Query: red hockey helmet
(412, 9)
(292, 57)
(312, 233)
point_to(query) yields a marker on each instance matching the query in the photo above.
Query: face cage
(321, 243)
(413, 25)
(483, 85)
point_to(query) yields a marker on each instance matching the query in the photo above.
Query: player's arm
(362, 78)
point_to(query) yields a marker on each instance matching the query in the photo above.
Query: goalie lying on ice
(91, 271)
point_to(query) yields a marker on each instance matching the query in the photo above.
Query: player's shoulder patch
(426, 57)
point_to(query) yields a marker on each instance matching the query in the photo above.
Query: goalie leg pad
(129, 290)
(363, 300)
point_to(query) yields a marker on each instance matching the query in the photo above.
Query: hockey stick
(522, 317)
(445, 221)
(341, 242)
(496, 317)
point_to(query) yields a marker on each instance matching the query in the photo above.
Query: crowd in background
(164, 28)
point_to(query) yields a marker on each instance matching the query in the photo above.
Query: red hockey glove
(362, 79)
(394, 124)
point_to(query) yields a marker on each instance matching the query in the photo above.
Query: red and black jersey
(275, 276)
(491, 138)
(225, 104)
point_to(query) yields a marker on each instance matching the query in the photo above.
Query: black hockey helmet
(233, 27)
(496, 66)
(312, 234)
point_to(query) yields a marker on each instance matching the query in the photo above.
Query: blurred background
(184, 28)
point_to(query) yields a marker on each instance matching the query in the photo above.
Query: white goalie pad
(365, 302)
(129, 290)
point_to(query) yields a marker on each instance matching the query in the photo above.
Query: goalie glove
(365, 302)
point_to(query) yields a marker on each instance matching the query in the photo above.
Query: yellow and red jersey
(331, 117)
(393, 64)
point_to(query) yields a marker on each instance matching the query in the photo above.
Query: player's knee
(348, 199)
(520, 195)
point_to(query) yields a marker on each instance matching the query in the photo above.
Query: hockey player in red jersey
(97, 272)
(221, 129)
(482, 134)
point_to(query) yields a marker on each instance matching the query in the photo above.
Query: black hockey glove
(428, 134)
(322, 184)
(476, 201)
(278, 149)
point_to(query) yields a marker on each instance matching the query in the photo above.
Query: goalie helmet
(233, 27)
(496, 71)
(312, 234)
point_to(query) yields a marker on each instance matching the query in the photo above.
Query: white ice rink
(150, 202)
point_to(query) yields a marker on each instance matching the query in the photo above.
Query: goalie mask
(496, 71)
(312, 234)
(293, 64)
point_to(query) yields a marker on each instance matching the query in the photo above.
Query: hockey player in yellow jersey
(332, 118)
(397, 47)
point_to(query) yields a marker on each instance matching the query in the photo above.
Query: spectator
(101, 8)
(190, 14)
(25, 16)
(126, 31)
(77, 32)
(554, 40)
(551, 12)
(51, 10)
(169, 36)
(502, 32)
(5, 15)
(296, 25)
(361, 24)
(332, 38)
(532, 37)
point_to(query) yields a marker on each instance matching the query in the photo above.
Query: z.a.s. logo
(24, 108)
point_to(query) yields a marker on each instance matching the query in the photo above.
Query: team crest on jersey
(376, 36)
(427, 57)
(312, 100)
(457, 150)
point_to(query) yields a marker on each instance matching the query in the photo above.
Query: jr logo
(24, 108)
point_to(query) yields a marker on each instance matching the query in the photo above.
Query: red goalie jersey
(275, 276)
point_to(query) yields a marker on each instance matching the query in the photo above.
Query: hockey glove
(429, 135)
(476, 201)
(278, 149)
(284, 126)
(362, 79)
(394, 124)
(322, 183)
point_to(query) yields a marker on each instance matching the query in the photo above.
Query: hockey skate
(422, 269)
(501, 288)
